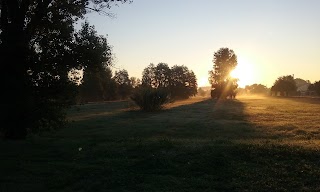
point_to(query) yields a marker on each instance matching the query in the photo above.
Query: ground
(247, 144)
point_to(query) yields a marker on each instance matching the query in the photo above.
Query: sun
(203, 82)
(244, 72)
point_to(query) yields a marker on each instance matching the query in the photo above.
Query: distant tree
(148, 76)
(301, 82)
(123, 82)
(315, 87)
(201, 92)
(135, 82)
(285, 85)
(223, 85)
(98, 86)
(257, 89)
(192, 84)
(183, 82)
(179, 81)
(108, 84)
(162, 76)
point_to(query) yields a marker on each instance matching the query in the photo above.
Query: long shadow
(190, 147)
(207, 119)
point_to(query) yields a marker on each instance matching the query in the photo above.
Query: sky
(270, 38)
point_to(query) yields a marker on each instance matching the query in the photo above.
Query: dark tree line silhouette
(315, 87)
(178, 81)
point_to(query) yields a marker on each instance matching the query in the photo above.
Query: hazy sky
(271, 38)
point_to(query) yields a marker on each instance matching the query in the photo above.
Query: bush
(149, 99)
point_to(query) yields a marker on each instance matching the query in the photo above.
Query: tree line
(178, 81)
(101, 85)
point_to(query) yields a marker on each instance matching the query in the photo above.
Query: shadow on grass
(184, 148)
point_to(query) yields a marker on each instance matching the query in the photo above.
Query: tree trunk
(16, 95)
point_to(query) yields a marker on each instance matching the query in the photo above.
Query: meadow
(247, 144)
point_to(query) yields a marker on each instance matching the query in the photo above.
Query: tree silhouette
(223, 85)
(148, 76)
(315, 87)
(98, 86)
(38, 50)
(135, 82)
(162, 75)
(123, 82)
(94, 56)
(183, 82)
(285, 85)
(179, 81)
(257, 89)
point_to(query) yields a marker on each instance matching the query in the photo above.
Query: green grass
(249, 144)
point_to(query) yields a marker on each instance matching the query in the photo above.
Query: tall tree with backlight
(223, 85)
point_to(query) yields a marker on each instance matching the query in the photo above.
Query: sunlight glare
(203, 82)
(244, 72)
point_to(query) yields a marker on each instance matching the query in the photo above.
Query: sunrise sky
(271, 38)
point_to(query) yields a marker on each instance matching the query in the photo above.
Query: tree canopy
(179, 81)
(257, 89)
(39, 47)
(315, 87)
(223, 85)
(285, 85)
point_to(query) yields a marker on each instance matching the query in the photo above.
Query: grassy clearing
(249, 144)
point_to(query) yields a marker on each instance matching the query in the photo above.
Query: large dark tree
(284, 85)
(223, 85)
(38, 50)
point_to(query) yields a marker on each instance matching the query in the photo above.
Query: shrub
(149, 99)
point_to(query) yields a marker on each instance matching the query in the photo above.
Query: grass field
(248, 144)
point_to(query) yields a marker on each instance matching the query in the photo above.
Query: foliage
(123, 83)
(285, 85)
(39, 47)
(97, 86)
(301, 82)
(315, 87)
(150, 99)
(183, 83)
(179, 81)
(258, 89)
(135, 82)
(148, 76)
(223, 85)
(94, 55)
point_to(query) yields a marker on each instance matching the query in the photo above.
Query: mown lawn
(248, 144)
